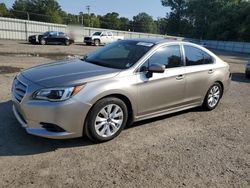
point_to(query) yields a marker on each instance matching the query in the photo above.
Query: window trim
(184, 55)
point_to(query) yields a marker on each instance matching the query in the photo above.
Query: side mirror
(156, 68)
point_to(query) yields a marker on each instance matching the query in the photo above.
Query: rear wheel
(106, 120)
(97, 42)
(213, 97)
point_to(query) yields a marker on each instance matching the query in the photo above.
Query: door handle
(180, 77)
(211, 71)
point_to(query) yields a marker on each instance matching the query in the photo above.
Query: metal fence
(242, 47)
(20, 29)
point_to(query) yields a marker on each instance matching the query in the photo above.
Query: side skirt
(165, 112)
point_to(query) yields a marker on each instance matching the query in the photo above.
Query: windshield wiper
(94, 62)
(84, 58)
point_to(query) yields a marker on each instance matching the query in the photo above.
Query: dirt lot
(193, 148)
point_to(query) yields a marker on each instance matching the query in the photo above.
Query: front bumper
(40, 131)
(33, 40)
(88, 40)
(69, 115)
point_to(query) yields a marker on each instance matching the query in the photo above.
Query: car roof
(157, 41)
(154, 40)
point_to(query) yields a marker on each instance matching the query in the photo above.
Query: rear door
(61, 38)
(165, 90)
(199, 69)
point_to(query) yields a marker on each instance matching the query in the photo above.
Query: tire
(106, 119)
(97, 42)
(42, 42)
(67, 43)
(213, 97)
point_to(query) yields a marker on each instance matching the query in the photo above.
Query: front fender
(97, 90)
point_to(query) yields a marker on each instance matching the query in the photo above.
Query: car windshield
(119, 55)
(97, 33)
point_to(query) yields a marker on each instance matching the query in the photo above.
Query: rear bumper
(227, 83)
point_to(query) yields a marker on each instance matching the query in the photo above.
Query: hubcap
(214, 96)
(109, 120)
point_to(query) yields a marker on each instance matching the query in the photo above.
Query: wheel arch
(122, 97)
(222, 86)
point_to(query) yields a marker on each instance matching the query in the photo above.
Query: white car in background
(102, 38)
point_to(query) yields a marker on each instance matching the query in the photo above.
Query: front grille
(19, 90)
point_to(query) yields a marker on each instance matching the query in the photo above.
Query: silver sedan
(121, 83)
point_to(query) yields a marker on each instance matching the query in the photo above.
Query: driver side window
(169, 56)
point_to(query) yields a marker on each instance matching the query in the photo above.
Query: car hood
(66, 73)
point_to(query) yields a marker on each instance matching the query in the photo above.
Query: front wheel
(106, 119)
(213, 97)
(42, 42)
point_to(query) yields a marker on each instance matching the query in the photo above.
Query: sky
(126, 8)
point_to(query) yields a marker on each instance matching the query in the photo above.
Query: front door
(165, 90)
(104, 38)
(52, 38)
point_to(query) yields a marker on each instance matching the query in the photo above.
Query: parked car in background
(102, 38)
(248, 69)
(51, 37)
(126, 81)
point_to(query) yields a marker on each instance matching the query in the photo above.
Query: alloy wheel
(109, 120)
(214, 96)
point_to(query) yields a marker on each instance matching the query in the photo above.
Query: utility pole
(28, 16)
(88, 9)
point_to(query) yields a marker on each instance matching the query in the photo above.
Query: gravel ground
(193, 148)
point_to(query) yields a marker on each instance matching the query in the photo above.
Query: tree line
(202, 19)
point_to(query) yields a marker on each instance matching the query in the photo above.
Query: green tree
(110, 21)
(3, 10)
(176, 16)
(144, 23)
(124, 24)
(41, 10)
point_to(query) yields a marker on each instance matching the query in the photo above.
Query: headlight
(57, 94)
